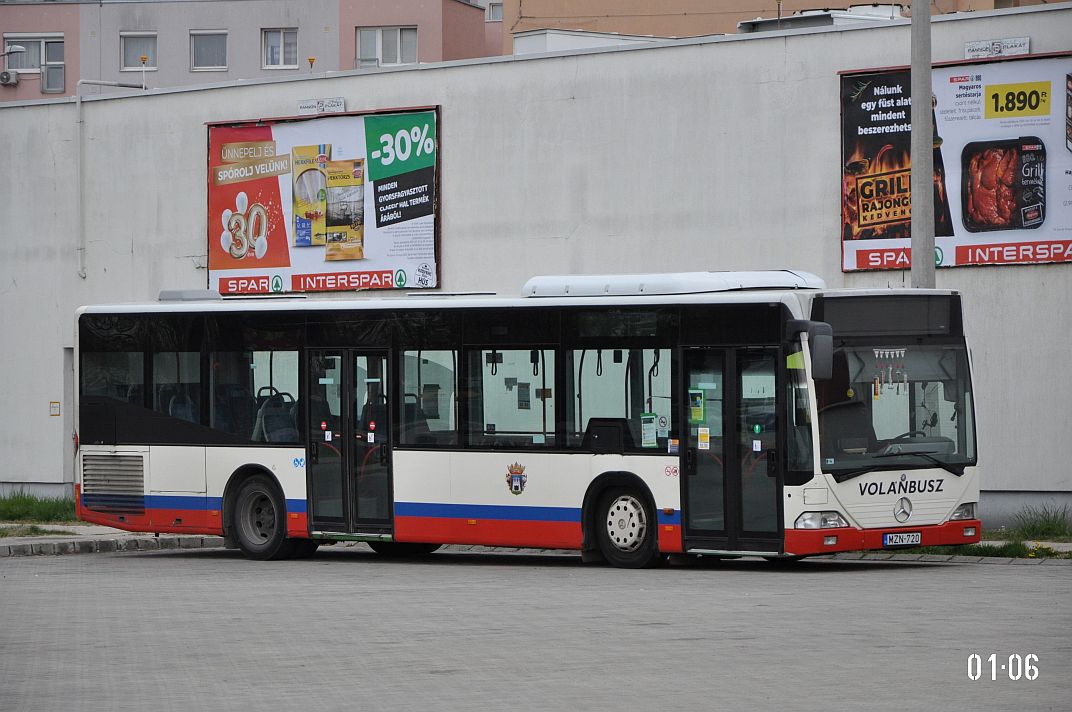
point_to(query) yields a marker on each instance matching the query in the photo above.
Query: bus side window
(511, 398)
(627, 386)
(428, 400)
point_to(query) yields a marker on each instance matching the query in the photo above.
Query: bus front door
(349, 436)
(731, 489)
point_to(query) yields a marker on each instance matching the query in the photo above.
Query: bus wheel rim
(260, 520)
(626, 523)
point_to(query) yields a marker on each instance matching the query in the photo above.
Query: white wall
(718, 154)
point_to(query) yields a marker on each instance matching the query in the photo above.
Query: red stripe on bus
(489, 532)
(810, 541)
(179, 521)
(670, 538)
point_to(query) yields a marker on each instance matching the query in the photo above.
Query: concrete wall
(720, 154)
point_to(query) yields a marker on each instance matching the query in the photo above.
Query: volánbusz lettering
(902, 487)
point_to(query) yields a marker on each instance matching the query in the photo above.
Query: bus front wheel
(260, 520)
(625, 529)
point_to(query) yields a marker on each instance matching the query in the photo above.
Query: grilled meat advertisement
(1004, 184)
(1000, 194)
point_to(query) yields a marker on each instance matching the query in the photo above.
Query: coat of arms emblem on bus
(516, 478)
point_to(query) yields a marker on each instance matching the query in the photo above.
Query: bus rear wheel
(401, 550)
(259, 520)
(625, 530)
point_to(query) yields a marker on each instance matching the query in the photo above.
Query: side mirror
(820, 342)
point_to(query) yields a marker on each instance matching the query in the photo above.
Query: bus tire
(260, 520)
(625, 529)
(401, 550)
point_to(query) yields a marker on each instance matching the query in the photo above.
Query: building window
(494, 12)
(208, 50)
(44, 55)
(280, 48)
(134, 46)
(381, 46)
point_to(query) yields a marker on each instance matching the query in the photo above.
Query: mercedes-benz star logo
(902, 510)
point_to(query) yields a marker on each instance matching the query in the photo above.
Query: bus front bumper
(802, 542)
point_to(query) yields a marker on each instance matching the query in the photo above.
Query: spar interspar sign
(1002, 164)
(340, 203)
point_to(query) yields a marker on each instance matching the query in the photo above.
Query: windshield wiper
(844, 476)
(952, 468)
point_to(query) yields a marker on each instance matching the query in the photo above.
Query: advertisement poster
(1002, 165)
(339, 203)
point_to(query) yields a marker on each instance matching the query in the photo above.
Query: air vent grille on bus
(113, 483)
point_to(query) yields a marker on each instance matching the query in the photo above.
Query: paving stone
(106, 545)
(967, 559)
(1022, 562)
(5, 550)
(44, 547)
(84, 546)
(20, 550)
(167, 542)
(212, 542)
(937, 557)
(907, 557)
(1057, 562)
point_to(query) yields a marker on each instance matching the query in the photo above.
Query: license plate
(902, 539)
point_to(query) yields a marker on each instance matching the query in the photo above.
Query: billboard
(337, 203)
(1002, 164)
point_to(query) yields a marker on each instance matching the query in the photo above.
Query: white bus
(627, 417)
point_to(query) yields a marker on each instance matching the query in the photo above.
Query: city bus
(627, 417)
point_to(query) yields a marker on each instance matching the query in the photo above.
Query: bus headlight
(964, 511)
(820, 520)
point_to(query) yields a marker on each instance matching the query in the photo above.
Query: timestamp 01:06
(1016, 666)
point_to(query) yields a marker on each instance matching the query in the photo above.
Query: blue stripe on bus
(488, 511)
(674, 518)
(193, 503)
(190, 502)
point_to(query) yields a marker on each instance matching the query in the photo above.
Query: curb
(942, 558)
(156, 543)
(92, 546)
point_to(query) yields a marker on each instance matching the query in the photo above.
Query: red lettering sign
(1015, 253)
(342, 281)
(260, 284)
(887, 258)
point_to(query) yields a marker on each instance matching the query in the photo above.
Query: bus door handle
(314, 453)
(383, 454)
(772, 463)
(690, 461)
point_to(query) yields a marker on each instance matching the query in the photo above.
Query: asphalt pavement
(473, 630)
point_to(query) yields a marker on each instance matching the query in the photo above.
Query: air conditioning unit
(9, 78)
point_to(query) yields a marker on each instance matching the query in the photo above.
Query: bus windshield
(896, 406)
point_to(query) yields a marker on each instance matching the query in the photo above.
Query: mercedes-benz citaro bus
(627, 417)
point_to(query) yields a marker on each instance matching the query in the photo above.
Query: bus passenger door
(731, 489)
(349, 441)
(370, 458)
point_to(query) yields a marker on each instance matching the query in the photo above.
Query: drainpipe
(80, 200)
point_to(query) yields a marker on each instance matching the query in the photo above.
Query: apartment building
(62, 48)
(680, 18)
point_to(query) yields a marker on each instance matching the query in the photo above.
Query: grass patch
(1045, 521)
(27, 530)
(22, 507)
